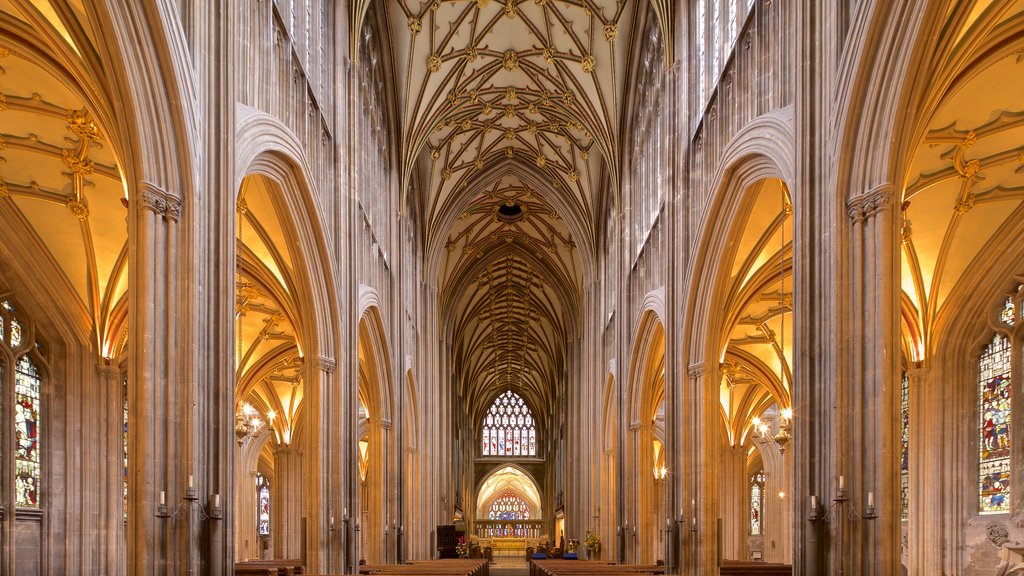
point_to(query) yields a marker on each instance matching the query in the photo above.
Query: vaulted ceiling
(965, 181)
(756, 357)
(61, 186)
(510, 111)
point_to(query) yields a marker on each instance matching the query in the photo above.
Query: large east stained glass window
(262, 505)
(904, 446)
(509, 506)
(994, 428)
(26, 433)
(756, 503)
(509, 428)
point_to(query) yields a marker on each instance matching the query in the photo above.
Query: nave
(702, 287)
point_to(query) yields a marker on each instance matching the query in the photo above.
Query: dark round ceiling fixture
(510, 211)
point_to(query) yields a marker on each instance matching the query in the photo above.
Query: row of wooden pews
(268, 568)
(590, 568)
(459, 567)
(744, 568)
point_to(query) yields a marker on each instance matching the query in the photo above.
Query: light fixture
(784, 435)
(247, 422)
(660, 473)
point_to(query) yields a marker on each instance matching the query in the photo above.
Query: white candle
(163, 498)
(189, 480)
(842, 484)
(345, 513)
(332, 520)
(216, 500)
(871, 499)
(814, 503)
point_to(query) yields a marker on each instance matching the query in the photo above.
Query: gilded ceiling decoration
(63, 191)
(966, 180)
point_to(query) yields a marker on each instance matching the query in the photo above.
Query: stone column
(927, 504)
(286, 498)
(157, 408)
(321, 434)
(870, 438)
(705, 434)
(734, 484)
(247, 540)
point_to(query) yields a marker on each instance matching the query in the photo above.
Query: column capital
(866, 205)
(697, 369)
(159, 201)
(325, 364)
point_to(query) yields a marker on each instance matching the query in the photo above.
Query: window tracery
(509, 428)
(509, 506)
(27, 407)
(904, 446)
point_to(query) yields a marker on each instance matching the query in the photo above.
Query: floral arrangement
(592, 542)
(462, 548)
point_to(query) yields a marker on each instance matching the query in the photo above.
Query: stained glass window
(994, 429)
(905, 446)
(124, 440)
(262, 504)
(756, 501)
(1009, 313)
(699, 24)
(509, 506)
(26, 433)
(509, 428)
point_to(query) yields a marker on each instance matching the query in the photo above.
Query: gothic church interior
(672, 284)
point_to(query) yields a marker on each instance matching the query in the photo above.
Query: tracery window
(756, 503)
(905, 446)
(994, 427)
(509, 507)
(509, 428)
(27, 407)
(262, 505)
(699, 24)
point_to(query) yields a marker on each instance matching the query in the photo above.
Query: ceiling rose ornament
(588, 63)
(435, 153)
(510, 61)
(549, 55)
(415, 26)
(510, 94)
(510, 8)
(471, 54)
(78, 209)
(509, 152)
(434, 63)
(610, 32)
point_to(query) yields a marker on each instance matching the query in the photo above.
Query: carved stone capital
(865, 206)
(696, 370)
(325, 364)
(385, 424)
(634, 426)
(158, 201)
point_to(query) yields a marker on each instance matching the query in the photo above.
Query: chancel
(495, 287)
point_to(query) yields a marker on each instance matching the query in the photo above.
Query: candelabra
(190, 504)
(838, 511)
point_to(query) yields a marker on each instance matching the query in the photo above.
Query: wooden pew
(590, 568)
(747, 568)
(446, 567)
(273, 567)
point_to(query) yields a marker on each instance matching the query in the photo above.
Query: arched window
(262, 505)
(509, 506)
(994, 427)
(27, 408)
(905, 446)
(509, 428)
(756, 503)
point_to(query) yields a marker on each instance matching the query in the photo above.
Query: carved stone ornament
(997, 534)
(865, 206)
(325, 364)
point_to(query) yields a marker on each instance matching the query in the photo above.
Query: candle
(332, 520)
(814, 503)
(216, 500)
(189, 480)
(871, 499)
(163, 498)
(842, 484)
(344, 514)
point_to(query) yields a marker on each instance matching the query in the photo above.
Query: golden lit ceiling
(60, 183)
(757, 355)
(268, 353)
(966, 179)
